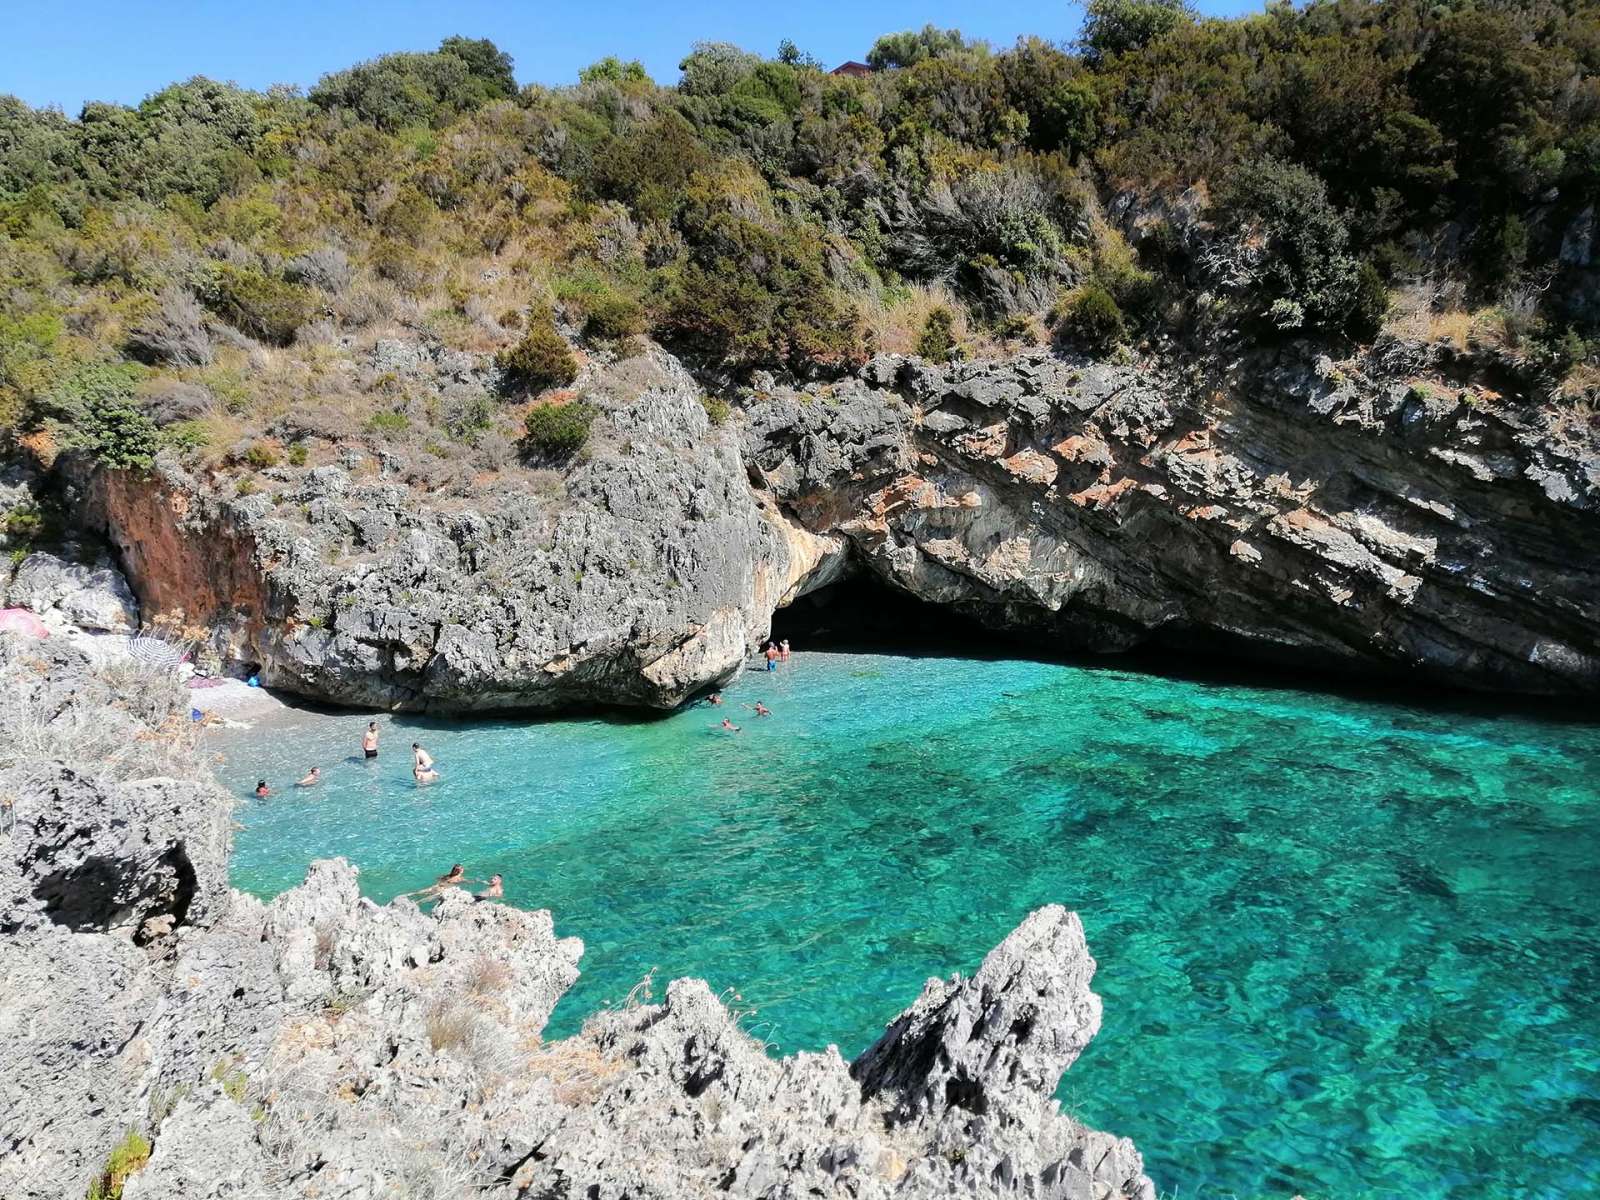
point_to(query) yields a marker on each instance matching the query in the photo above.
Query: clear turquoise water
(1347, 949)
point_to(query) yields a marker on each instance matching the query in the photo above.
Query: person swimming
(494, 891)
(714, 699)
(369, 740)
(454, 877)
(262, 790)
(729, 725)
(311, 779)
(762, 710)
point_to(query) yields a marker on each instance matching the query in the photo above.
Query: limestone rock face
(321, 1045)
(1284, 510)
(1365, 516)
(643, 572)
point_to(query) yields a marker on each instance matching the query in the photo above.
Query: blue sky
(121, 50)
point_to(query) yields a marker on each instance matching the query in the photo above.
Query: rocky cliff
(1390, 514)
(1362, 516)
(166, 1034)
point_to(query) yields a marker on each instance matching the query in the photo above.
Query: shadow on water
(862, 615)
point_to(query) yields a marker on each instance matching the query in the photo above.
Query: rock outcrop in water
(1366, 516)
(324, 1046)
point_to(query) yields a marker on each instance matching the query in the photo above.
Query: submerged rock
(323, 1045)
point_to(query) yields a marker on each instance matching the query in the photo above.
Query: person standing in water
(783, 650)
(369, 740)
(422, 765)
(772, 656)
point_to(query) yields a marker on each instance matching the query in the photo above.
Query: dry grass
(894, 319)
(487, 976)
(137, 728)
(448, 1024)
(1582, 387)
(577, 1070)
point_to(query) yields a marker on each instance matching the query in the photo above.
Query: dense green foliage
(1300, 171)
(558, 430)
(541, 359)
(1090, 317)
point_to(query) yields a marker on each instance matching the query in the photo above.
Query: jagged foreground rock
(323, 1046)
(1364, 517)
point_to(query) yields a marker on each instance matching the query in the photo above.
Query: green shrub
(612, 315)
(1369, 306)
(186, 436)
(118, 433)
(717, 410)
(261, 455)
(1118, 26)
(298, 454)
(263, 306)
(937, 339)
(1307, 271)
(541, 359)
(560, 430)
(1091, 318)
(127, 1157)
(388, 422)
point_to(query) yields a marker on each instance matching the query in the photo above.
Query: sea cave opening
(862, 614)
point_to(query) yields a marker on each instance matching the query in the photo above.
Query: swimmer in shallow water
(494, 891)
(422, 765)
(262, 790)
(369, 740)
(454, 877)
(311, 779)
(714, 699)
(729, 725)
(762, 710)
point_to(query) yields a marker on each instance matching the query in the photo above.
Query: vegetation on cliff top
(1319, 170)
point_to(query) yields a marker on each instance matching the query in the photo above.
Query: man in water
(311, 779)
(729, 725)
(714, 699)
(762, 710)
(369, 740)
(494, 891)
(783, 650)
(772, 657)
(422, 765)
(262, 790)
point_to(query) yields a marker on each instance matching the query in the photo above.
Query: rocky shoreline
(324, 1046)
(1370, 517)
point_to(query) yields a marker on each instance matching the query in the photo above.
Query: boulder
(94, 597)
